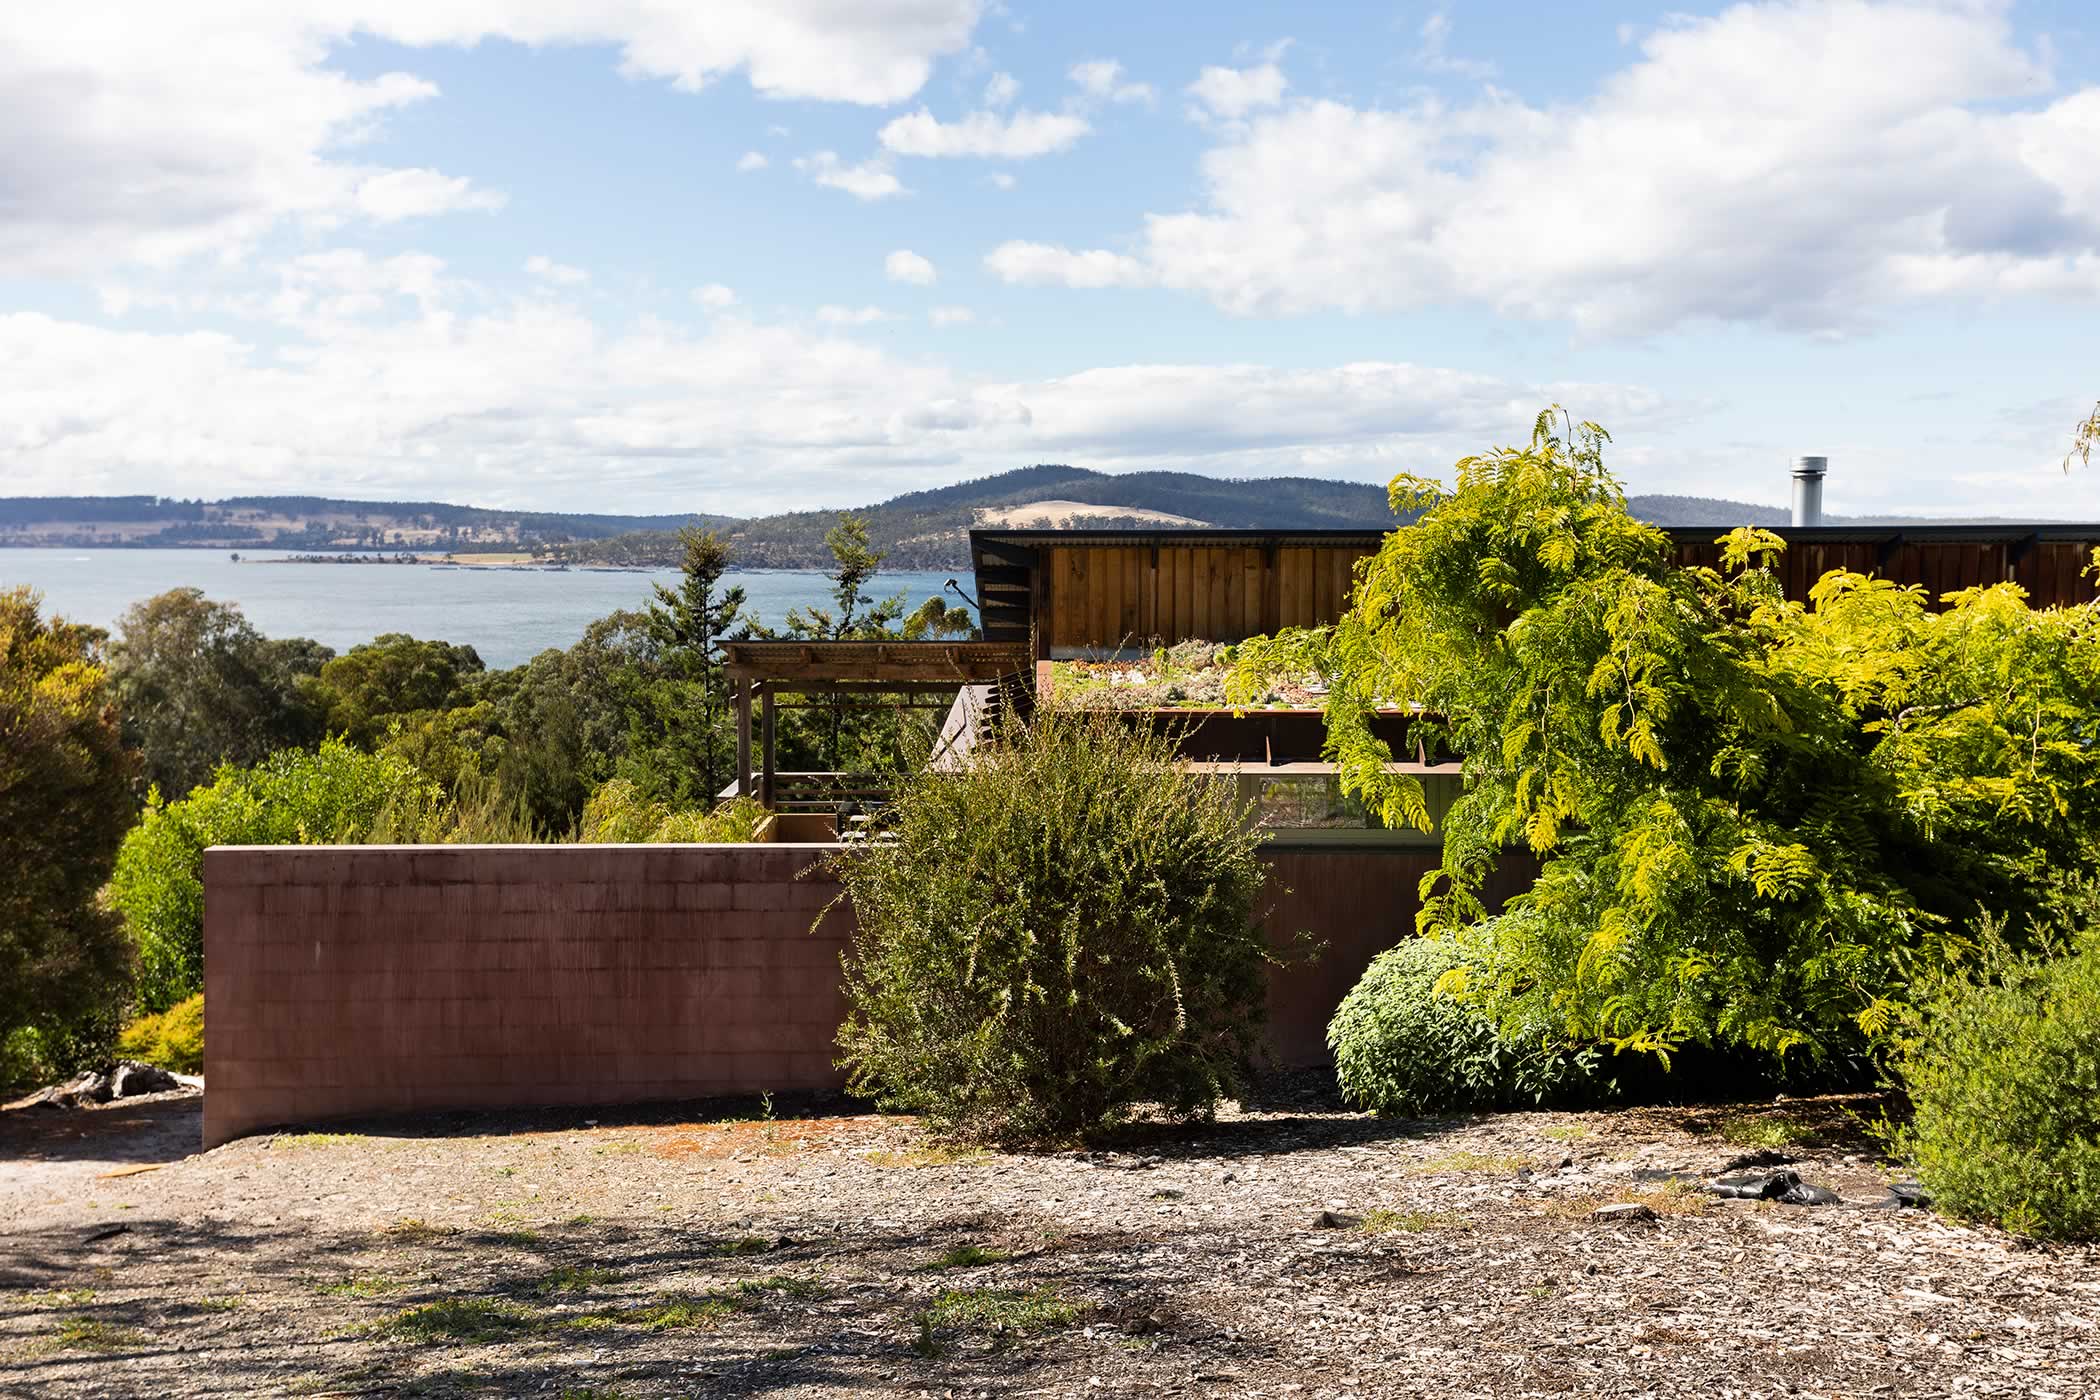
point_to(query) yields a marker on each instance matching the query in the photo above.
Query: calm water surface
(506, 615)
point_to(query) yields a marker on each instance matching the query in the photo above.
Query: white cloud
(1001, 90)
(548, 270)
(412, 194)
(1041, 264)
(871, 179)
(714, 296)
(951, 315)
(1902, 158)
(1101, 79)
(851, 315)
(750, 161)
(1016, 137)
(906, 266)
(1434, 53)
(1231, 93)
(535, 398)
(164, 131)
(1001, 180)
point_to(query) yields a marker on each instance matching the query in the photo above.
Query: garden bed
(1290, 1249)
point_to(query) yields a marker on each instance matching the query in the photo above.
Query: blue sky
(741, 256)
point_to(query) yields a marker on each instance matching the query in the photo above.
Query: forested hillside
(921, 529)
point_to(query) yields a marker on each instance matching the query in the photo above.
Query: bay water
(507, 615)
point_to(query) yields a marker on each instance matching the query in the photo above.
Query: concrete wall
(357, 980)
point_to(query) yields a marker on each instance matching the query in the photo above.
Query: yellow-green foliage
(172, 1039)
(65, 801)
(1757, 818)
(295, 798)
(619, 813)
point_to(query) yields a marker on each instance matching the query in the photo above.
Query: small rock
(1755, 1186)
(1228, 1178)
(1168, 1193)
(79, 1092)
(1335, 1220)
(133, 1078)
(1803, 1194)
(1622, 1213)
(1763, 1157)
(1905, 1195)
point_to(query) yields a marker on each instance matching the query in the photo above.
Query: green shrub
(2003, 1071)
(172, 1039)
(65, 803)
(1061, 930)
(619, 813)
(1403, 1047)
(330, 796)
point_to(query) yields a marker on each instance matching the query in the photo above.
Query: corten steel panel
(388, 979)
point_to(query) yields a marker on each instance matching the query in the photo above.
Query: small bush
(1062, 930)
(1402, 1047)
(619, 813)
(172, 1039)
(2003, 1071)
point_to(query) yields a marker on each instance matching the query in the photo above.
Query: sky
(754, 255)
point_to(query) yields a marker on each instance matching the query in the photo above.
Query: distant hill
(920, 529)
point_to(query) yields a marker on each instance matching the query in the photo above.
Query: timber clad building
(1079, 592)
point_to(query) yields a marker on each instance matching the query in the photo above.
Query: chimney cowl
(1808, 489)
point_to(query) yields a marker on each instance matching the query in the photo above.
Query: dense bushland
(1062, 930)
(65, 800)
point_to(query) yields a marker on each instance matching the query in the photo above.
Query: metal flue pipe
(1808, 489)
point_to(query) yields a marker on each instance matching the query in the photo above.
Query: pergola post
(766, 723)
(743, 738)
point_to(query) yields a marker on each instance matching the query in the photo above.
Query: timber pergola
(923, 669)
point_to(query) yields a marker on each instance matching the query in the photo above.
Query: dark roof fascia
(1993, 532)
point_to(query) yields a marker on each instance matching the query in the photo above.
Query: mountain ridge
(916, 529)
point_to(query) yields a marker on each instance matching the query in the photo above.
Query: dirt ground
(1291, 1249)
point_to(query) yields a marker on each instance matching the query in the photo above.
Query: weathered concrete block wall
(381, 979)
(376, 979)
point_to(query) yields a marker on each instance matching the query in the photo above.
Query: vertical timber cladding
(1106, 596)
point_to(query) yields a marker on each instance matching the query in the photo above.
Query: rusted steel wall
(356, 981)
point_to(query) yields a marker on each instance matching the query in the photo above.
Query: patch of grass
(309, 1140)
(60, 1298)
(743, 1244)
(1566, 1132)
(223, 1303)
(358, 1286)
(469, 1321)
(1668, 1198)
(1386, 1222)
(577, 1222)
(412, 1230)
(966, 1256)
(1452, 1162)
(87, 1334)
(1006, 1312)
(593, 1392)
(572, 1278)
(620, 1148)
(1757, 1131)
(673, 1312)
(932, 1154)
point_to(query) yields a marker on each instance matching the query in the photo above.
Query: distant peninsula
(919, 530)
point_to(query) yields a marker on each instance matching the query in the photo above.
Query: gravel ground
(1290, 1249)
